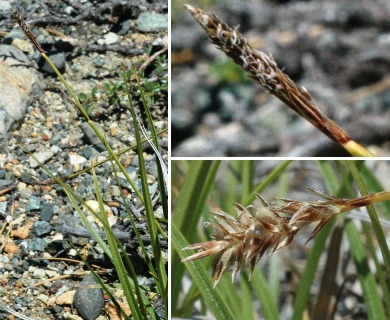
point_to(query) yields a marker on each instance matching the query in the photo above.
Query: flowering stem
(263, 69)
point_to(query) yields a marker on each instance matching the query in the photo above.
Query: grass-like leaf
(201, 278)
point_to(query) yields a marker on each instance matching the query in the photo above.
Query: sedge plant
(263, 69)
(239, 241)
(138, 298)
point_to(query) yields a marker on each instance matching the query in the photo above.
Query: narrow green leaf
(201, 278)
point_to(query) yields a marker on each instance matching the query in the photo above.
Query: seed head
(241, 242)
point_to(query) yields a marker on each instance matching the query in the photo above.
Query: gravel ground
(338, 50)
(89, 41)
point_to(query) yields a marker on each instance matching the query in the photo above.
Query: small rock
(125, 27)
(24, 45)
(152, 22)
(32, 204)
(11, 248)
(25, 193)
(69, 10)
(3, 207)
(12, 35)
(42, 228)
(17, 86)
(98, 62)
(46, 212)
(58, 59)
(37, 244)
(108, 38)
(38, 274)
(66, 298)
(22, 232)
(76, 161)
(89, 302)
(42, 157)
(4, 183)
(112, 192)
(90, 136)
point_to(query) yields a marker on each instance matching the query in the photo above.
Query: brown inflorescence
(241, 242)
(263, 69)
(26, 29)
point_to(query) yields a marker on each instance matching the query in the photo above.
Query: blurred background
(338, 50)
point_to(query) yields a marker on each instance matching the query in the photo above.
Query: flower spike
(241, 242)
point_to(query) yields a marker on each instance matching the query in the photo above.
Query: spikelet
(26, 29)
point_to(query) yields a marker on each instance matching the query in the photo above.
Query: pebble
(58, 59)
(152, 22)
(125, 27)
(24, 45)
(65, 298)
(91, 138)
(42, 157)
(12, 35)
(46, 212)
(89, 302)
(37, 244)
(77, 161)
(3, 207)
(33, 203)
(25, 193)
(39, 274)
(109, 38)
(42, 228)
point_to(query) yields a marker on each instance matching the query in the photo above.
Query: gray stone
(98, 62)
(4, 7)
(38, 274)
(89, 302)
(42, 157)
(125, 27)
(42, 228)
(69, 10)
(58, 59)
(46, 212)
(19, 82)
(3, 207)
(37, 244)
(4, 183)
(25, 193)
(152, 22)
(91, 138)
(111, 192)
(33, 204)
(14, 34)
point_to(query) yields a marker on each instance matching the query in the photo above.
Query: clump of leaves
(113, 92)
